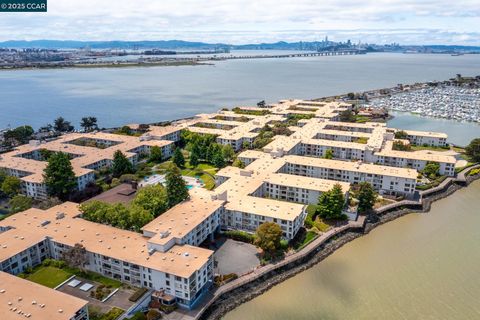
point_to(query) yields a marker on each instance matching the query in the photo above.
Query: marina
(447, 102)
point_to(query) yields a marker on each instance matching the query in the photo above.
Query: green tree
(59, 176)
(217, 158)
(89, 124)
(3, 176)
(11, 186)
(473, 149)
(152, 198)
(195, 156)
(19, 203)
(401, 134)
(156, 154)
(19, 135)
(95, 211)
(76, 256)
(399, 145)
(61, 125)
(347, 116)
(268, 236)
(177, 190)
(121, 165)
(45, 154)
(331, 203)
(228, 152)
(125, 130)
(431, 169)
(178, 158)
(366, 197)
(139, 217)
(238, 163)
(329, 154)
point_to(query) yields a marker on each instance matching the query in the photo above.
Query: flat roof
(178, 221)
(423, 155)
(302, 182)
(129, 246)
(426, 134)
(22, 299)
(84, 155)
(352, 166)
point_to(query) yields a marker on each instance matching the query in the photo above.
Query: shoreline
(251, 290)
(112, 65)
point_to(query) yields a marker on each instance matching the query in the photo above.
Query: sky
(251, 21)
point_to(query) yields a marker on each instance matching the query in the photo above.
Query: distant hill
(189, 45)
(71, 44)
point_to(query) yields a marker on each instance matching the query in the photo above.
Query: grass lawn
(49, 276)
(380, 202)
(321, 225)
(88, 275)
(112, 314)
(311, 208)
(309, 237)
(431, 148)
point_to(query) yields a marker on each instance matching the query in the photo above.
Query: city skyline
(240, 22)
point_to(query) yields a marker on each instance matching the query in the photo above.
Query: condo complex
(276, 183)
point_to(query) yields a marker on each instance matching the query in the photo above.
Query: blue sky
(248, 21)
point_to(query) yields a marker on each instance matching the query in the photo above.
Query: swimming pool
(160, 178)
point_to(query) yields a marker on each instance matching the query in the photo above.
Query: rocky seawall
(236, 297)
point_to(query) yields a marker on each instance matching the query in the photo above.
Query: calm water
(124, 95)
(460, 133)
(421, 266)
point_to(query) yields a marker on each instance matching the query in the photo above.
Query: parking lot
(235, 257)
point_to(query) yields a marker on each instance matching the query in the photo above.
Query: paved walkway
(311, 247)
(261, 271)
(461, 177)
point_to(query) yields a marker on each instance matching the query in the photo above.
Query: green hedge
(240, 236)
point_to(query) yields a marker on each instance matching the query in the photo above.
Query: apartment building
(23, 299)
(423, 138)
(384, 179)
(168, 133)
(88, 152)
(182, 271)
(190, 222)
(367, 142)
(416, 160)
(261, 193)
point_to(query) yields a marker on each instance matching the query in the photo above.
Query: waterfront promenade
(312, 248)
(264, 271)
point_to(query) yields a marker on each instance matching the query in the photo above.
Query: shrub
(138, 294)
(54, 263)
(225, 278)
(138, 316)
(474, 172)
(240, 236)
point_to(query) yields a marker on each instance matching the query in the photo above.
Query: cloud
(240, 21)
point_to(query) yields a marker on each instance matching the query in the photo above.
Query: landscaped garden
(112, 314)
(49, 276)
(51, 273)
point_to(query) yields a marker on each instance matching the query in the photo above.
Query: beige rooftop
(22, 299)
(181, 260)
(84, 156)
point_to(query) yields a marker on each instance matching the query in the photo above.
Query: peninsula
(180, 220)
